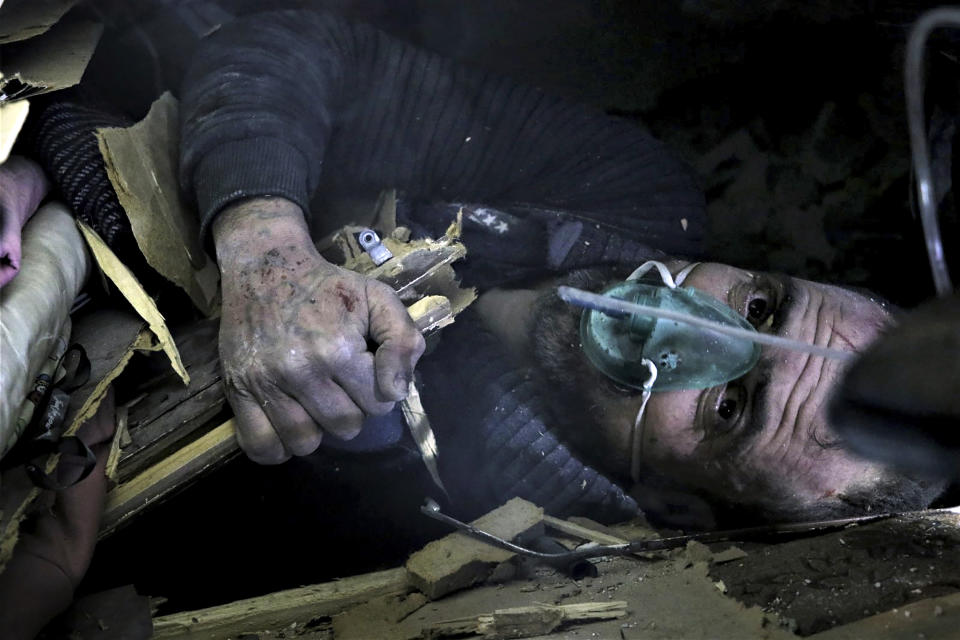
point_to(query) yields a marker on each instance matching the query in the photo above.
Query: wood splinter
(525, 622)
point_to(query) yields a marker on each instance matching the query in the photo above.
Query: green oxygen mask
(685, 357)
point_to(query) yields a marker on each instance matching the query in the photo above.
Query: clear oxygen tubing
(617, 307)
(914, 83)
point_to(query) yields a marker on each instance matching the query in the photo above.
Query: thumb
(400, 344)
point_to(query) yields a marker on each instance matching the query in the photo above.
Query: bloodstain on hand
(348, 298)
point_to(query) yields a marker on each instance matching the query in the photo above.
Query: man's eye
(761, 303)
(757, 309)
(729, 407)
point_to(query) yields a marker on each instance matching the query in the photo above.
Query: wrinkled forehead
(718, 278)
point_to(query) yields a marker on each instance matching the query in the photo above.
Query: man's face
(761, 440)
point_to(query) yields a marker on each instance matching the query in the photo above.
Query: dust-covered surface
(891, 579)
(659, 596)
(836, 578)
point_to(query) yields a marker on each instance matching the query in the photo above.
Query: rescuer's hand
(306, 346)
(899, 402)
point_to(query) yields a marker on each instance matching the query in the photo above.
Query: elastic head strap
(636, 433)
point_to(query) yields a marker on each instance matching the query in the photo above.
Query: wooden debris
(581, 531)
(49, 62)
(379, 618)
(525, 622)
(135, 294)
(278, 610)
(141, 163)
(23, 19)
(434, 312)
(458, 561)
(168, 475)
(170, 414)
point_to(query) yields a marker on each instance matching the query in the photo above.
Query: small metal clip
(370, 242)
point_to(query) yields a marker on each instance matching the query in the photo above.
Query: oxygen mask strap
(636, 433)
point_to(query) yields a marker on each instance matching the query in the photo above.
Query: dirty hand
(898, 402)
(294, 335)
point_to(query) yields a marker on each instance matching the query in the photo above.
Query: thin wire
(432, 509)
(913, 81)
(621, 308)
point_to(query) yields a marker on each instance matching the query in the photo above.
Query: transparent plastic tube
(914, 83)
(613, 306)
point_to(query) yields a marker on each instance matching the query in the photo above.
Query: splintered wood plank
(168, 475)
(279, 610)
(582, 532)
(525, 622)
(170, 413)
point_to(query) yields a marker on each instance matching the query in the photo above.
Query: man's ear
(666, 504)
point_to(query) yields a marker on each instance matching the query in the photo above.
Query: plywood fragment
(52, 61)
(23, 19)
(135, 294)
(141, 163)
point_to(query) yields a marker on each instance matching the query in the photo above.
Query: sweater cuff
(249, 168)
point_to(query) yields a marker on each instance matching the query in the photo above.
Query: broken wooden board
(12, 117)
(280, 610)
(133, 291)
(576, 530)
(110, 338)
(525, 622)
(23, 19)
(378, 617)
(171, 474)
(141, 163)
(168, 414)
(458, 561)
(49, 62)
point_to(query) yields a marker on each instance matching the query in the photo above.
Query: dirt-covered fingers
(400, 344)
(298, 432)
(357, 377)
(331, 407)
(255, 433)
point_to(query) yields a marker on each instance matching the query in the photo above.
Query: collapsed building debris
(150, 333)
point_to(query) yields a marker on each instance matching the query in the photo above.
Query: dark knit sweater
(281, 103)
(284, 103)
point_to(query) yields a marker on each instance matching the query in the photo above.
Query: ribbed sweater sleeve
(278, 102)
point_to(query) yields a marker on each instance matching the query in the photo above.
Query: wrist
(247, 229)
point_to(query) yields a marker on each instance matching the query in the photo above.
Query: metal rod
(432, 509)
(621, 308)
